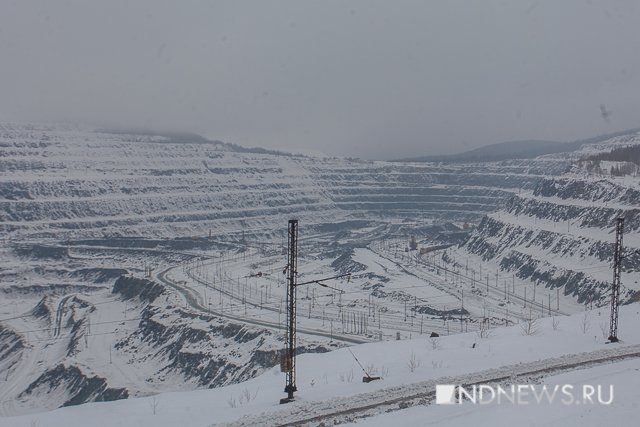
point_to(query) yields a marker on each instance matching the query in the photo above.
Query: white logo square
(445, 394)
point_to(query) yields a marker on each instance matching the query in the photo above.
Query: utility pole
(615, 286)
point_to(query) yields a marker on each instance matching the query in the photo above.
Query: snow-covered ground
(623, 375)
(333, 379)
(81, 208)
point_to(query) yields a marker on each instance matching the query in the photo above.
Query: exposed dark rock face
(43, 310)
(75, 386)
(41, 252)
(132, 287)
(577, 220)
(98, 275)
(11, 346)
(204, 349)
(346, 264)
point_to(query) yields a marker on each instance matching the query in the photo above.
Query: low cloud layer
(374, 79)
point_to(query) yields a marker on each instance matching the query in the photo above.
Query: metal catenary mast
(288, 358)
(615, 286)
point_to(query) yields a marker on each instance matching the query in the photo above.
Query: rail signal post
(615, 287)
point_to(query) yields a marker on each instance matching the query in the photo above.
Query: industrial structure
(615, 286)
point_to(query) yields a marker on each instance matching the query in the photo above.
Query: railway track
(350, 408)
(192, 299)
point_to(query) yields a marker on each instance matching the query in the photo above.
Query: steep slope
(61, 182)
(135, 339)
(561, 234)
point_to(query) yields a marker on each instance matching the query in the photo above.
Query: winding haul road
(192, 296)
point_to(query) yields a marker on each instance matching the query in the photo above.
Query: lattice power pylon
(615, 287)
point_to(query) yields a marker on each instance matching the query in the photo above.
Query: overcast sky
(356, 78)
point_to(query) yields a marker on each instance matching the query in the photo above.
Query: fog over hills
(525, 149)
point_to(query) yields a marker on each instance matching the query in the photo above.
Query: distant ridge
(516, 150)
(193, 138)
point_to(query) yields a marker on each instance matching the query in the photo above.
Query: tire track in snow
(59, 314)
